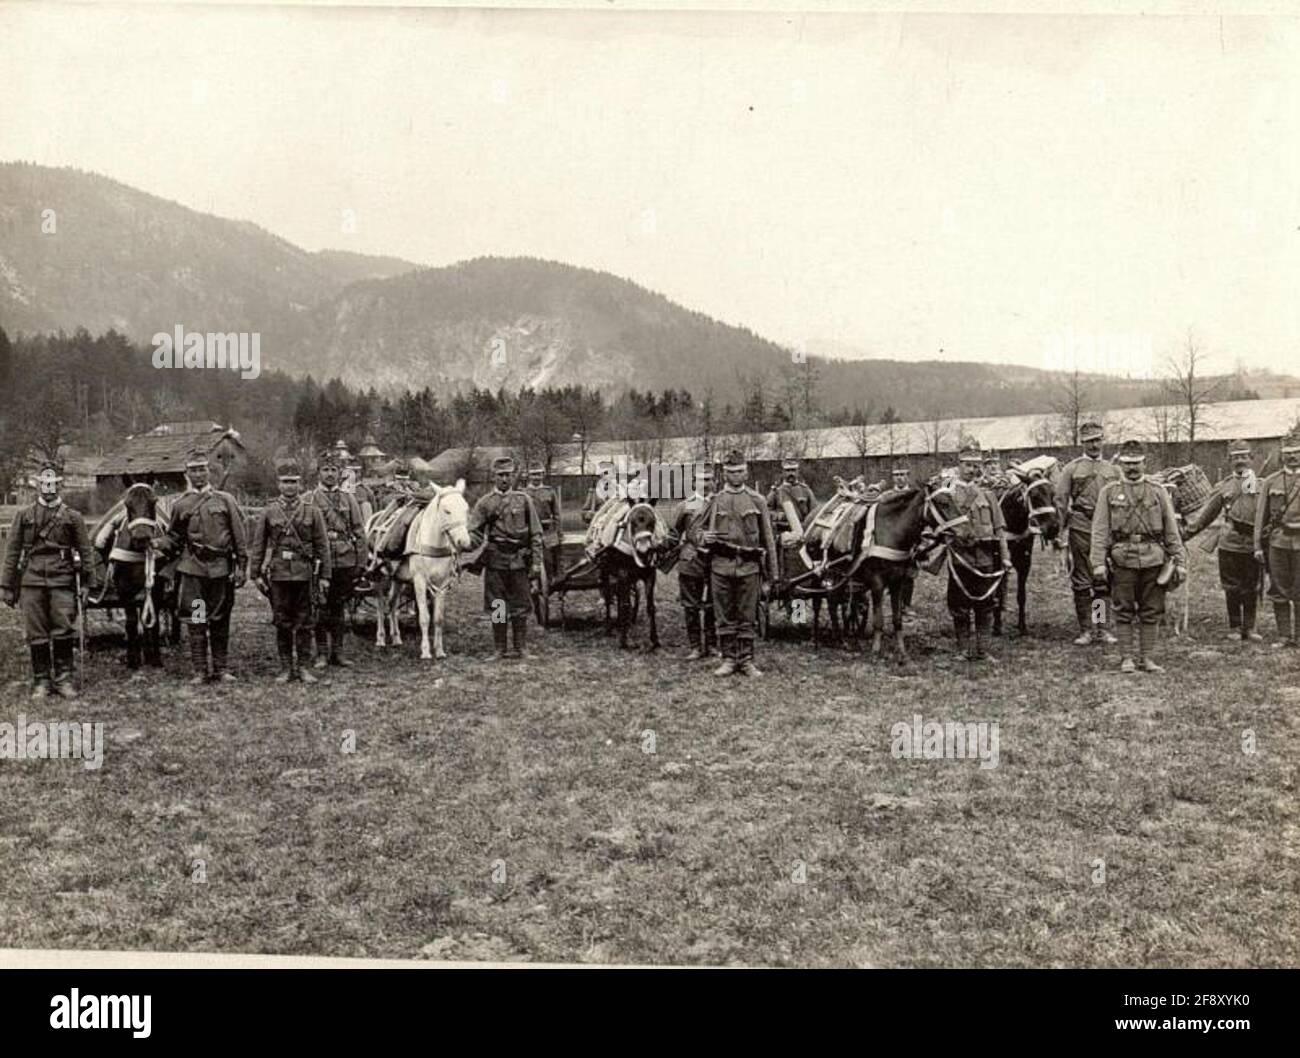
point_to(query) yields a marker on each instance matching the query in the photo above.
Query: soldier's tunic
(1135, 527)
(735, 563)
(345, 531)
(1277, 533)
(799, 495)
(1238, 570)
(1077, 492)
(546, 501)
(514, 548)
(693, 569)
(289, 540)
(985, 553)
(365, 498)
(207, 530)
(44, 538)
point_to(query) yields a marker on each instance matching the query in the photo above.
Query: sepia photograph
(650, 486)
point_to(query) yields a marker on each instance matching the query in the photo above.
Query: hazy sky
(1003, 188)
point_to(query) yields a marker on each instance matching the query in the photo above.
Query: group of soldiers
(307, 549)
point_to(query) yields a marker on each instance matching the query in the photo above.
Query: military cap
(1291, 442)
(288, 468)
(970, 452)
(196, 457)
(51, 473)
(734, 460)
(401, 469)
(536, 468)
(901, 465)
(991, 455)
(704, 473)
(1091, 430)
(503, 463)
(329, 458)
(789, 464)
(1132, 451)
(1238, 448)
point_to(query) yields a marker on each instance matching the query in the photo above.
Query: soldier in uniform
(738, 535)
(546, 501)
(512, 557)
(1076, 499)
(992, 476)
(48, 551)
(1135, 530)
(900, 475)
(291, 555)
(1277, 528)
(361, 492)
(989, 555)
(345, 529)
(793, 489)
(693, 568)
(1236, 497)
(207, 531)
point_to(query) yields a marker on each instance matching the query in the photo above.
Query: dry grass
(686, 855)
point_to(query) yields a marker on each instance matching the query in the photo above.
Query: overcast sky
(1001, 188)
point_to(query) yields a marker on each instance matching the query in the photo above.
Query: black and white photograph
(650, 486)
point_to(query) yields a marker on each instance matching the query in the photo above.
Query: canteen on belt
(1168, 576)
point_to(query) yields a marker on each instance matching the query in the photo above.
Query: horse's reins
(943, 525)
(148, 613)
(440, 551)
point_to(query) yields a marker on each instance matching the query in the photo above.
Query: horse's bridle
(941, 524)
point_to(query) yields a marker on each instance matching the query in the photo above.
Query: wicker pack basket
(1188, 486)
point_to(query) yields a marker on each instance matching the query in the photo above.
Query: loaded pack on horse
(386, 533)
(1025, 495)
(133, 577)
(627, 541)
(830, 542)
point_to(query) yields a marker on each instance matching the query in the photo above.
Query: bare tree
(861, 439)
(1069, 403)
(935, 432)
(1190, 388)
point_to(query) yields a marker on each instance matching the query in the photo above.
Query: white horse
(434, 543)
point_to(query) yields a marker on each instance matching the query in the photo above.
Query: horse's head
(1040, 503)
(141, 523)
(943, 513)
(453, 513)
(640, 527)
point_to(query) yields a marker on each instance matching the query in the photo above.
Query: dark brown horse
(632, 558)
(1030, 514)
(131, 579)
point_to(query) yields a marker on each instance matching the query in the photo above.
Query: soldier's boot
(284, 649)
(219, 634)
(1249, 610)
(1132, 647)
(1234, 616)
(693, 637)
(322, 648)
(1282, 614)
(728, 650)
(40, 670)
(983, 619)
(745, 658)
(304, 643)
(1147, 641)
(198, 638)
(337, 636)
(62, 650)
(1083, 614)
(1102, 629)
(499, 634)
(133, 659)
(997, 621)
(961, 627)
(710, 637)
(519, 628)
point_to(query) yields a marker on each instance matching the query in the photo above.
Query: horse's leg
(439, 611)
(395, 613)
(624, 591)
(1000, 597)
(378, 594)
(422, 603)
(896, 611)
(1022, 589)
(650, 610)
(817, 613)
(877, 615)
(131, 617)
(605, 593)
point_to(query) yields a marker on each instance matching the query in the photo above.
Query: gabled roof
(1251, 420)
(163, 449)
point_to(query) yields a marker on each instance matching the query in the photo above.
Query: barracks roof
(163, 449)
(1247, 419)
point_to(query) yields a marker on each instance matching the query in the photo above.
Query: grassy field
(511, 811)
